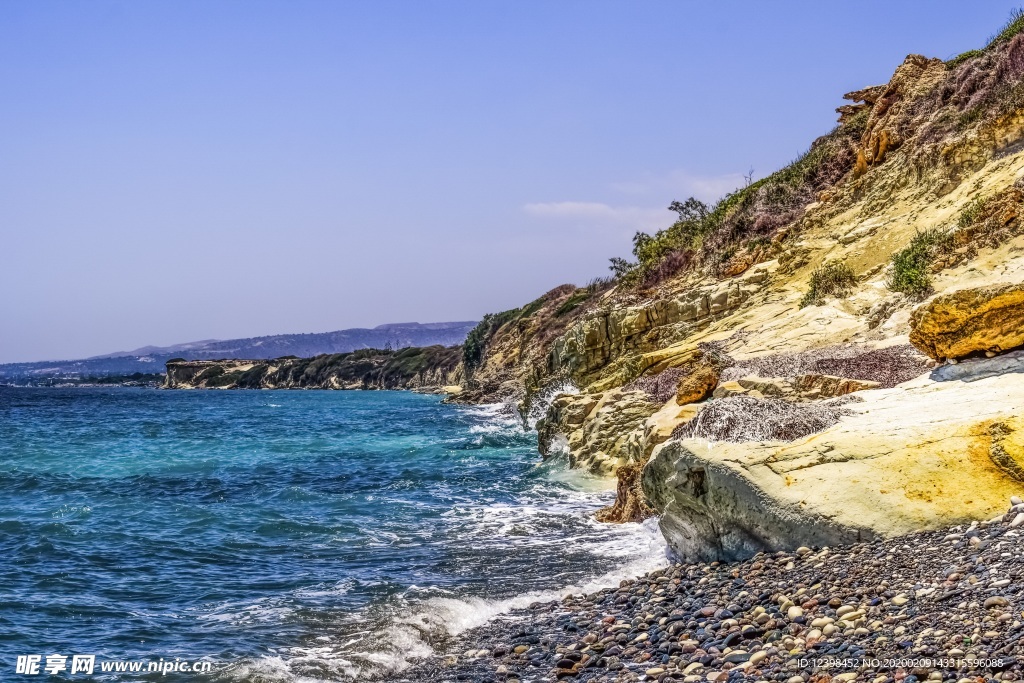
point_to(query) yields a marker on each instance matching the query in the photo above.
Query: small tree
(620, 266)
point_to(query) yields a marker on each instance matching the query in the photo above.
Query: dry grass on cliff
(744, 418)
(981, 85)
(660, 387)
(889, 366)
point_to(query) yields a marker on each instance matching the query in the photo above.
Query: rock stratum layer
(969, 321)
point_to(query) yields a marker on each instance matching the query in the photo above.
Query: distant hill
(149, 359)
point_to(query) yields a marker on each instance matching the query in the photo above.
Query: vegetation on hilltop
(930, 116)
(747, 225)
(749, 219)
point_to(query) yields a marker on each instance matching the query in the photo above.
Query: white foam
(420, 621)
(542, 401)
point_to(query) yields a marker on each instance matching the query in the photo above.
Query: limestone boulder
(630, 503)
(969, 321)
(896, 463)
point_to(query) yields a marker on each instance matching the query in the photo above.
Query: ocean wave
(423, 620)
(436, 620)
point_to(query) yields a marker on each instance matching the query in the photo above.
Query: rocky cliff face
(825, 356)
(434, 368)
(819, 423)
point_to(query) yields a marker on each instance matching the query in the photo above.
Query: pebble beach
(939, 606)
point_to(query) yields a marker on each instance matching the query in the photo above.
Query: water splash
(541, 402)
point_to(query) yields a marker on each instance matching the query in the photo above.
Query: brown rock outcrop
(630, 504)
(892, 105)
(968, 321)
(697, 385)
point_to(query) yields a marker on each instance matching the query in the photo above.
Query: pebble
(927, 595)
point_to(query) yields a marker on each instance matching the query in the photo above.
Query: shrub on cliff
(1013, 26)
(981, 85)
(478, 338)
(831, 279)
(911, 265)
(578, 298)
(971, 213)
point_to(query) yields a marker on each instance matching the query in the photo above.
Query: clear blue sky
(175, 171)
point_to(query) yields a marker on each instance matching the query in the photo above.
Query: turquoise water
(281, 536)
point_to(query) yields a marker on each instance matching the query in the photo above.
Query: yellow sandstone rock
(967, 321)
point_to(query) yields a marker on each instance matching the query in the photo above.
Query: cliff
(820, 357)
(151, 359)
(433, 368)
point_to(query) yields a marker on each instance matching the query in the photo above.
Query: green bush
(479, 336)
(971, 213)
(962, 57)
(651, 250)
(1013, 26)
(531, 308)
(832, 278)
(710, 235)
(573, 302)
(910, 266)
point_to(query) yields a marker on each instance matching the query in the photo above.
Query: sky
(174, 171)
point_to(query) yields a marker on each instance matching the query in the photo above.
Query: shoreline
(940, 605)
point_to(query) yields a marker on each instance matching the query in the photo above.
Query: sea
(265, 536)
